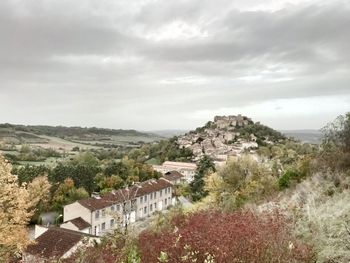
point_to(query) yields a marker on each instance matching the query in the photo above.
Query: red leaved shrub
(229, 237)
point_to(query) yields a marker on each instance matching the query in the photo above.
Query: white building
(100, 214)
(187, 169)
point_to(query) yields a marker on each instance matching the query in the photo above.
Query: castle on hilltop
(231, 121)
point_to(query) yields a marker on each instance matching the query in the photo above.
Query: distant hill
(98, 137)
(305, 136)
(169, 133)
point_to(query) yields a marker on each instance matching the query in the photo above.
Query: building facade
(98, 215)
(187, 169)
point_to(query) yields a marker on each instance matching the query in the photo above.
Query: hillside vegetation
(23, 144)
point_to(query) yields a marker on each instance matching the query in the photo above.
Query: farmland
(47, 144)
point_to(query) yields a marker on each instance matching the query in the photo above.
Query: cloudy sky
(174, 64)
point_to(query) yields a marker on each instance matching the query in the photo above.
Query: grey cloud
(94, 62)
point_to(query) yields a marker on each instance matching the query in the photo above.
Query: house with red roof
(98, 215)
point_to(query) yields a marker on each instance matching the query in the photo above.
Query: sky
(174, 64)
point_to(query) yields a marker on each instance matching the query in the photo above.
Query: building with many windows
(100, 214)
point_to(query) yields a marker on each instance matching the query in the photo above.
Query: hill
(228, 136)
(93, 136)
(43, 143)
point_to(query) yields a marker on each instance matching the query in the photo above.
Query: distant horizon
(148, 131)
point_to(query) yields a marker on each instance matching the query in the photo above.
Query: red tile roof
(173, 176)
(125, 194)
(79, 223)
(54, 243)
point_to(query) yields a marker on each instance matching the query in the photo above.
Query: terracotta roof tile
(54, 243)
(173, 175)
(121, 195)
(79, 223)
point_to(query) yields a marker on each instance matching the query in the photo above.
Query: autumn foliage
(229, 237)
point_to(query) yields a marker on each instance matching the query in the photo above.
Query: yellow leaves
(239, 181)
(15, 204)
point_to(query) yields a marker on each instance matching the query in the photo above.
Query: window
(145, 198)
(151, 196)
(118, 208)
(150, 207)
(103, 226)
(155, 206)
(141, 199)
(161, 191)
(112, 208)
(103, 212)
(145, 210)
(95, 230)
(155, 195)
(112, 223)
(166, 201)
(97, 214)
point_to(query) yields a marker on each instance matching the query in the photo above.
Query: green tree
(205, 166)
(28, 172)
(85, 159)
(82, 175)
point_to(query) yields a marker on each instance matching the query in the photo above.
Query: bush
(286, 179)
(226, 237)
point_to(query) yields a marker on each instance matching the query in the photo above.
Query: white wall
(75, 210)
(39, 230)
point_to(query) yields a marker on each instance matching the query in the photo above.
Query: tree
(66, 193)
(15, 205)
(337, 133)
(335, 152)
(205, 166)
(108, 183)
(85, 159)
(28, 172)
(82, 175)
(39, 193)
(239, 181)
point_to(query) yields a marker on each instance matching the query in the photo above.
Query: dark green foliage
(205, 166)
(165, 150)
(288, 178)
(82, 175)
(262, 133)
(28, 172)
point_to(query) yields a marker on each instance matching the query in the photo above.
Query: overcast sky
(174, 64)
